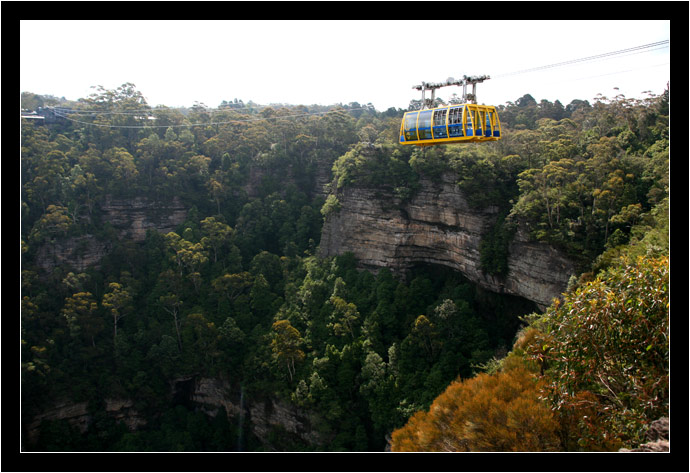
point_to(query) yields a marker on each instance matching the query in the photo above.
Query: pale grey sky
(178, 63)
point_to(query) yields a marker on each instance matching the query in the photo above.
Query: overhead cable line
(85, 111)
(148, 112)
(203, 124)
(584, 59)
(614, 73)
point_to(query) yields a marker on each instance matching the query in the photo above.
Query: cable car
(467, 122)
(450, 124)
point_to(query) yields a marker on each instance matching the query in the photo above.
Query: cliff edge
(438, 226)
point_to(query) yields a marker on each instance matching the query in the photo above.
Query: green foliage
(331, 206)
(590, 177)
(589, 374)
(493, 250)
(609, 341)
(236, 291)
(380, 165)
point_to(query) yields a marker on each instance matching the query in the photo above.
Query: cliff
(130, 218)
(263, 416)
(438, 226)
(133, 217)
(80, 416)
(213, 396)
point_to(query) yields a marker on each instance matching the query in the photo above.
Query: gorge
(305, 283)
(436, 226)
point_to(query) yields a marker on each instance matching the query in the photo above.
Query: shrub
(497, 412)
(608, 353)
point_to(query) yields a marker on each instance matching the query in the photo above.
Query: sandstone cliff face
(79, 416)
(130, 218)
(438, 226)
(262, 416)
(133, 217)
(79, 252)
(209, 395)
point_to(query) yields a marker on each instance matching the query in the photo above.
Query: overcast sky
(178, 63)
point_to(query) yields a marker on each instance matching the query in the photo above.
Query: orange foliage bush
(497, 412)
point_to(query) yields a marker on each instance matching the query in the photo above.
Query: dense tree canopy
(237, 289)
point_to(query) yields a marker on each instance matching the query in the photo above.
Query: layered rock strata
(263, 416)
(131, 219)
(210, 395)
(438, 226)
(80, 417)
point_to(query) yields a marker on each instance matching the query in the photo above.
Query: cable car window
(424, 125)
(455, 122)
(487, 124)
(455, 116)
(411, 126)
(470, 122)
(497, 131)
(440, 117)
(424, 119)
(440, 123)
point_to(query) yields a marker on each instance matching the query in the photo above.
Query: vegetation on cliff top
(579, 177)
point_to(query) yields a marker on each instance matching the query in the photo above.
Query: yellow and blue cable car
(450, 124)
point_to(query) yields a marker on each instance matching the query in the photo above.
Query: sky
(182, 62)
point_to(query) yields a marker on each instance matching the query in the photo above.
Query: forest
(238, 291)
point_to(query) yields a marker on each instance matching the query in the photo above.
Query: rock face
(438, 226)
(262, 416)
(133, 217)
(210, 395)
(657, 438)
(130, 218)
(79, 416)
(269, 415)
(79, 252)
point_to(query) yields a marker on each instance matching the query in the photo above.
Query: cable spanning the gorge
(146, 114)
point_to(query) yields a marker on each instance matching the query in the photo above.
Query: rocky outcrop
(210, 395)
(76, 413)
(122, 410)
(131, 219)
(80, 417)
(657, 438)
(263, 416)
(79, 252)
(438, 226)
(269, 415)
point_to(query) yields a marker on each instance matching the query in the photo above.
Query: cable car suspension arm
(464, 82)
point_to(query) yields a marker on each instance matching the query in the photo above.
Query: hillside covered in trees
(237, 290)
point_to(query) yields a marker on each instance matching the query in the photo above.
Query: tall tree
(79, 312)
(285, 345)
(216, 235)
(117, 300)
(171, 303)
